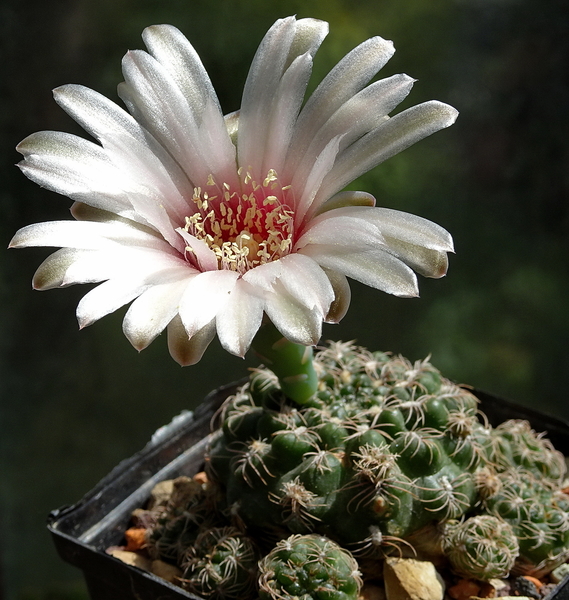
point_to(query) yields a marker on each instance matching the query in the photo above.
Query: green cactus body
(221, 565)
(308, 567)
(482, 547)
(515, 444)
(538, 517)
(382, 444)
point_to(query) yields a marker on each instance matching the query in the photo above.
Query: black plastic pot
(82, 532)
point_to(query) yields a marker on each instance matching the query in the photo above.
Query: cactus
(193, 506)
(385, 457)
(514, 444)
(382, 444)
(482, 547)
(538, 516)
(381, 451)
(308, 567)
(221, 565)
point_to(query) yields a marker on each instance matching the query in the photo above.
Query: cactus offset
(482, 547)
(221, 565)
(308, 567)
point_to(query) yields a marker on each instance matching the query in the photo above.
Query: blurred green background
(76, 403)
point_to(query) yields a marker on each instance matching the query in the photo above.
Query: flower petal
(296, 322)
(345, 199)
(283, 43)
(106, 298)
(300, 276)
(177, 56)
(342, 296)
(375, 268)
(240, 318)
(205, 296)
(306, 282)
(76, 168)
(51, 272)
(184, 350)
(92, 266)
(160, 105)
(151, 312)
(111, 295)
(87, 235)
(356, 117)
(205, 256)
(426, 262)
(390, 138)
(131, 149)
(287, 101)
(320, 169)
(345, 231)
(396, 224)
(345, 80)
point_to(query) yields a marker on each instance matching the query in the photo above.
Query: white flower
(206, 223)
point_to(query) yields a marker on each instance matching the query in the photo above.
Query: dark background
(75, 403)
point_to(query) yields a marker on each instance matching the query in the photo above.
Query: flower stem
(291, 363)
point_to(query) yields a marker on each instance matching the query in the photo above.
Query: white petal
(76, 168)
(426, 262)
(342, 296)
(345, 199)
(87, 235)
(306, 282)
(390, 138)
(356, 117)
(175, 53)
(287, 101)
(205, 256)
(299, 275)
(106, 298)
(345, 231)
(285, 41)
(308, 35)
(297, 323)
(111, 295)
(345, 80)
(258, 95)
(397, 224)
(239, 320)
(151, 312)
(165, 112)
(129, 147)
(264, 276)
(186, 351)
(83, 171)
(51, 272)
(92, 266)
(320, 169)
(205, 296)
(375, 268)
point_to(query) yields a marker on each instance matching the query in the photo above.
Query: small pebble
(130, 558)
(559, 572)
(547, 588)
(523, 586)
(168, 572)
(135, 538)
(464, 589)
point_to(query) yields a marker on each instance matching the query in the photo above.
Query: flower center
(244, 228)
